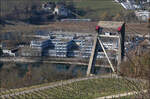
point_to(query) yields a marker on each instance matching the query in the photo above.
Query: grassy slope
(82, 90)
(92, 8)
(95, 8)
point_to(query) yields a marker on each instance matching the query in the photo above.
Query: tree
(71, 5)
(130, 16)
(137, 65)
(118, 17)
(19, 9)
(9, 76)
(105, 16)
(149, 23)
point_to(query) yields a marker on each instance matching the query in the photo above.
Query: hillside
(95, 8)
(88, 88)
(89, 8)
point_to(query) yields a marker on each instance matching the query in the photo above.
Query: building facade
(143, 15)
(66, 46)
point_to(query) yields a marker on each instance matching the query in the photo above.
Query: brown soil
(73, 27)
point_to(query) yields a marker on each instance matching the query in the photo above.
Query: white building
(9, 52)
(127, 5)
(40, 44)
(61, 10)
(143, 15)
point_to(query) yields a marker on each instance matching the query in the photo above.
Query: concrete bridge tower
(120, 29)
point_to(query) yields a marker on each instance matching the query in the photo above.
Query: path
(122, 95)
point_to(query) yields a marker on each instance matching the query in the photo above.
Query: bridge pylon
(119, 27)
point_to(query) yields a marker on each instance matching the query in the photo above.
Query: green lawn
(89, 89)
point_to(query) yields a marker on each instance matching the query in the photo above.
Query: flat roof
(110, 24)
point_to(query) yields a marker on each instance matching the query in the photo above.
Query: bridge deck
(48, 61)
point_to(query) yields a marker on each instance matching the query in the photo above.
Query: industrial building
(65, 45)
